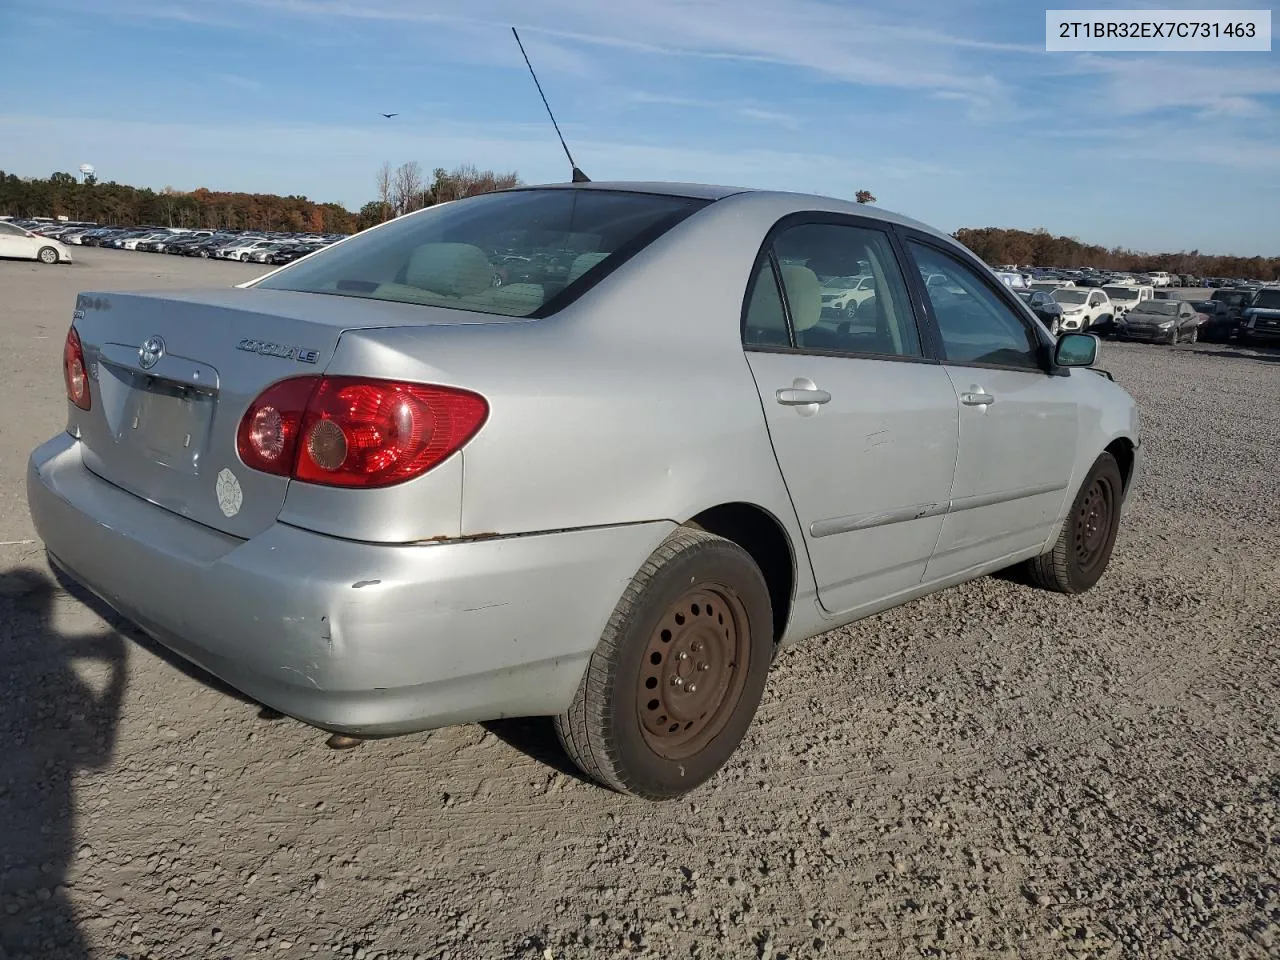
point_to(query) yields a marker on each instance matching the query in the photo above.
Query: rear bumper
(357, 638)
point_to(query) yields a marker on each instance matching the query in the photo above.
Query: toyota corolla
(382, 490)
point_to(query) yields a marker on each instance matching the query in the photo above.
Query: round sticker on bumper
(230, 496)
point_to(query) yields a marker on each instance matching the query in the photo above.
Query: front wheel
(48, 255)
(1194, 335)
(676, 678)
(1083, 549)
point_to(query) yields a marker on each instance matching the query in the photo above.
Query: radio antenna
(578, 175)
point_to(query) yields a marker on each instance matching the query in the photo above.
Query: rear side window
(519, 253)
(844, 292)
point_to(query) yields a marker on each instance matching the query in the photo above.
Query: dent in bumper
(358, 638)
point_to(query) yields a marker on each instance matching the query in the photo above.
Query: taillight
(268, 434)
(74, 372)
(356, 432)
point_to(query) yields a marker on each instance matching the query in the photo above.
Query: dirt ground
(993, 771)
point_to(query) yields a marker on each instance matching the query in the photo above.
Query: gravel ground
(993, 771)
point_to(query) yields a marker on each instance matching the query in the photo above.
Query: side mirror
(1076, 350)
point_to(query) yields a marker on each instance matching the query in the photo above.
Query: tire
(851, 310)
(696, 595)
(1195, 336)
(47, 255)
(1083, 548)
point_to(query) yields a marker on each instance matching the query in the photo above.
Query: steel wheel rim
(1093, 524)
(693, 671)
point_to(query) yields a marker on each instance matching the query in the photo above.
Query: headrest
(804, 294)
(453, 269)
(582, 263)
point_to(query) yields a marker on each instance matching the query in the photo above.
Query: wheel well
(1122, 449)
(758, 533)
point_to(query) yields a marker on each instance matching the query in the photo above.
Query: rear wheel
(678, 674)
(1083, 549)
(1194, 336)
(48, 255)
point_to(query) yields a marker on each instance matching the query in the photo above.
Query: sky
(949, 111)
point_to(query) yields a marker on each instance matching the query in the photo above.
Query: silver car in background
(592, 451)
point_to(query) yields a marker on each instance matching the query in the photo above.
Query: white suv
(1082, 308)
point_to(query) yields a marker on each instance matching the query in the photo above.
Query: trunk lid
(171, 375)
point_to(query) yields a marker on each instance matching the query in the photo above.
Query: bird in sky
(390, 115)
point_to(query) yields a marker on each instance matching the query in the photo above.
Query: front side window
(515, 253)
(976, 326)
(9, 230)
(844, 291)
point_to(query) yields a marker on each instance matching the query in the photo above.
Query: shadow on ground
(60, 701)
(536, 738)
(1261, 357)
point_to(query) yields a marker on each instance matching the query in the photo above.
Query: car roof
(705, 191)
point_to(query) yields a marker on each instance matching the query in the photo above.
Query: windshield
(1120, 293)
(1068, 295)
(1268, 299)
(1163, 308)
(514, 253)
(841, 283)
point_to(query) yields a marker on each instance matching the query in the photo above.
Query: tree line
(1038, 248)
(405, 188)
(118, 204)
(399, 191)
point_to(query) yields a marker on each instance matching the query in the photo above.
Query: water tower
(86, 171)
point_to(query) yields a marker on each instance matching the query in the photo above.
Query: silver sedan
(593, 451)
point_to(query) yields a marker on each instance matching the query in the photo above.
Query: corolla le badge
(150, 352)
(266, 349)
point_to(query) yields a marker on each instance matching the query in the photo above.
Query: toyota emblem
(150, 352)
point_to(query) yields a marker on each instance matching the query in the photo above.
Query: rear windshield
(517, 253)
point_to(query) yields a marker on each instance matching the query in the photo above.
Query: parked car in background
(1125, 297)
(302, 525)
(1083, 309)
(1161, 321)
(1260, 320)
(1045, 307)
(843, 295)
(18, 243)
(1218, 326)
(1234, 299)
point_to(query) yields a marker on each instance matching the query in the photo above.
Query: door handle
(802, 396)
(977, 399)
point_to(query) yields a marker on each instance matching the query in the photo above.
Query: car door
(863, 421)
(1018, 424)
